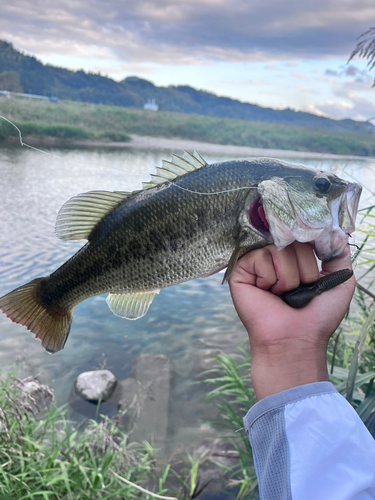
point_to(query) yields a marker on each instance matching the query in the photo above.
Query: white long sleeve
(309, 444)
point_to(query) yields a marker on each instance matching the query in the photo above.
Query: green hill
(19, 72)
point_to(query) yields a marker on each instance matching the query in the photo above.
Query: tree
(9, 81)
(366, 48)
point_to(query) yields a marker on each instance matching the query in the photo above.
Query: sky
(274, 53)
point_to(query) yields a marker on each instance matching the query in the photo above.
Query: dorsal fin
(79, 215)
(178, 167)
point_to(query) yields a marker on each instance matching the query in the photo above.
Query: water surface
(183, 319)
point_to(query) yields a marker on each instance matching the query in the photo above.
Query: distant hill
(19, 72)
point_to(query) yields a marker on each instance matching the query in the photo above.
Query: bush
(60, 130)
(113, 135)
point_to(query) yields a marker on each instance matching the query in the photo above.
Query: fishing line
(225, 191)
(57, 156)
(139, 173)
(127, 171)
(356, 180)
(214, 192)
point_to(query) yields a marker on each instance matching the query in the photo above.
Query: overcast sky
(275, 53)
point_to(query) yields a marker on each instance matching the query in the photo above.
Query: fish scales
(191, 220)
(157, 238)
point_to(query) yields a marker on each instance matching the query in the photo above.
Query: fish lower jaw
(330, 244)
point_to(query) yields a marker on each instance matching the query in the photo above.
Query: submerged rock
(95, 385)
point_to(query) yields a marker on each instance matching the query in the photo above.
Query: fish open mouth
(283, 216)
(258, 217)
(334, 238)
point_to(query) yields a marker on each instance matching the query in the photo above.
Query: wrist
(280, 367)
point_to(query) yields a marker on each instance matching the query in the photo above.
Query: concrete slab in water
(155, 373)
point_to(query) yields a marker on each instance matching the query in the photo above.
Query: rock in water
(95, 385)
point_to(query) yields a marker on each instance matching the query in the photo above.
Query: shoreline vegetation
(67, 123)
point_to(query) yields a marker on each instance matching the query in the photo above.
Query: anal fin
(130, 305)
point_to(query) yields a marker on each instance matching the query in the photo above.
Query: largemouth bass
(191, 220)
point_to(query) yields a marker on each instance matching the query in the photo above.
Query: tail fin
(23, 305)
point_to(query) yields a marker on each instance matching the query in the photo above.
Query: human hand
(288, 346)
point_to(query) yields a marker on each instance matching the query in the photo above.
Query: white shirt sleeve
(309, 444)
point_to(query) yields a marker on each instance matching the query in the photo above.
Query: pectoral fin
(243, 241)
(130, 305)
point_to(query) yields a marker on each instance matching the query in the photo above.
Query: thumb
(343, 261)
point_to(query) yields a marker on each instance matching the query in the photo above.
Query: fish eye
(323, 184)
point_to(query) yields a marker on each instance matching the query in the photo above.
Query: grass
(233, 396)
(356, 353)
(47, 457)
(50, 459)
(75, 120)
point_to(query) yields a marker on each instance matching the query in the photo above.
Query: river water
(181, 321)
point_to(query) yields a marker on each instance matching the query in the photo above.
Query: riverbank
(84, 124)
(176, 145)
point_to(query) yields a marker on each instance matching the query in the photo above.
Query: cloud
(136, 69)
(300, 77)
(331, 72)
(163, 37)
(349, 70)
(311, 108)
(306, 90)
(355, 107)
(189, 32)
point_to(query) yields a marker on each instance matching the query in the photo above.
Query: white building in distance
(151, 105)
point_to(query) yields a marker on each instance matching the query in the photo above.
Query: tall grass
(115, 123)
(233, 396)
(355, 360)
(51, 459)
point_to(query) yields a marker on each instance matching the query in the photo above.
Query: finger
(343, 261)
(256, 269)
(306, 261)
(286, 266)
(252, 276)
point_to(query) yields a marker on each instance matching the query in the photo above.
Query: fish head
(307, 206)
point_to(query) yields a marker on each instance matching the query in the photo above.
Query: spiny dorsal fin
(79, 215)
(130, 305)
(178, 167)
